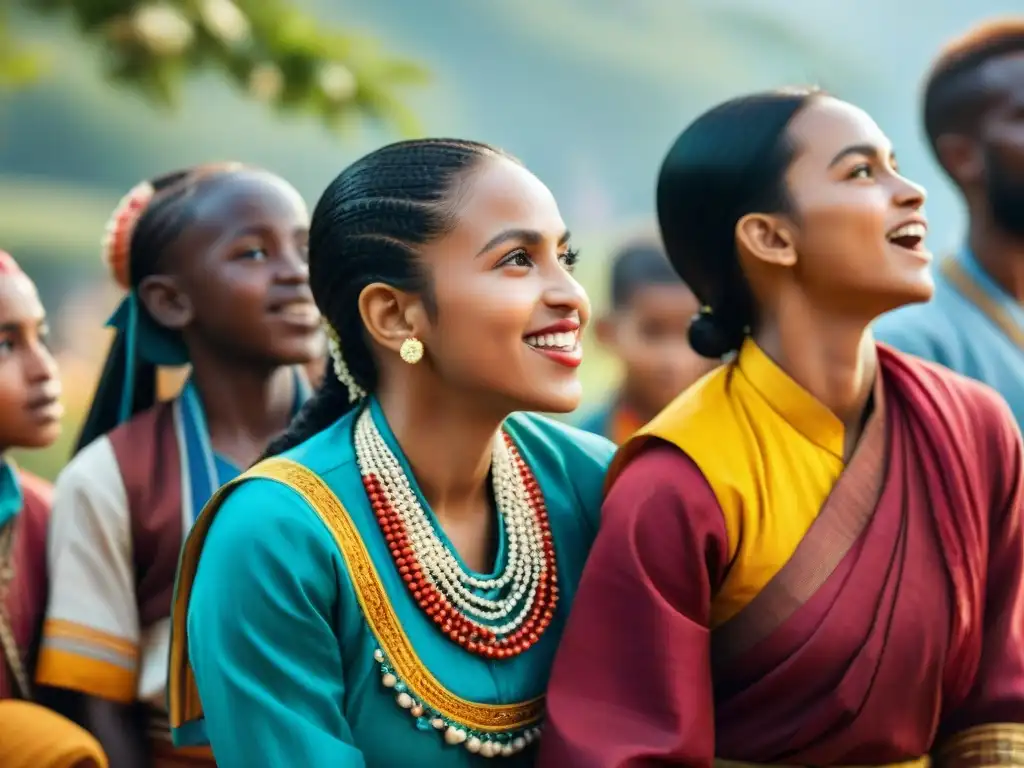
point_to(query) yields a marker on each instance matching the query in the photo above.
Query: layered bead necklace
(526, 591)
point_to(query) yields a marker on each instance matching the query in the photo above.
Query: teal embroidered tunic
(288, 669)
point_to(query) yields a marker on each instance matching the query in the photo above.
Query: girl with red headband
(213, 261)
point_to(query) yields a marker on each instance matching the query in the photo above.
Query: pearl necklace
(495, 627)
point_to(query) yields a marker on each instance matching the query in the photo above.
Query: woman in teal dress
(389, 587)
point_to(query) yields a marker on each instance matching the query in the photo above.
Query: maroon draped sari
(897, 622)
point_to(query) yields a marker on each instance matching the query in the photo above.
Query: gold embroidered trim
(921, 762)
(183, 703)
(984, 746)
(373, 600)
(9, 651)
(384, 624)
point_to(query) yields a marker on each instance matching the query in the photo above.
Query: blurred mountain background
(589, 93)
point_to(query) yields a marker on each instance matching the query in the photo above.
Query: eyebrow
(868, 150)
(528, 236)
(258, 230)
(15, 327)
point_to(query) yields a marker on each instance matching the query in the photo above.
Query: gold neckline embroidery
(497, 729)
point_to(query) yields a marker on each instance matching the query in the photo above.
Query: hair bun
(709, 339)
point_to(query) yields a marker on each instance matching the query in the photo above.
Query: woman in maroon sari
(814, 556)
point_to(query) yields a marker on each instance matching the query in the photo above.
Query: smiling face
(858, 226)
(29, 387)
(240, 280)
(508, 314)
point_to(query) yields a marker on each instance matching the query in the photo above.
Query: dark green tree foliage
(269, 49)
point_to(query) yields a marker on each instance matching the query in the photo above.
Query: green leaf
(299, 45)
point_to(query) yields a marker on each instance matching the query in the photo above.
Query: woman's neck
(245, 406)
(447, 443)
(833, 359)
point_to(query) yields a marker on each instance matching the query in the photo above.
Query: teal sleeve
(262, 639)
(595, 421)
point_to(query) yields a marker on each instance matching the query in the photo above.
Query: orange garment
(624, 423)
(32, 736)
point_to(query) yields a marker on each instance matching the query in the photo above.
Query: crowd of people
(779, 542)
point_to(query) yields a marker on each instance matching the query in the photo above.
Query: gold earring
(412, 350)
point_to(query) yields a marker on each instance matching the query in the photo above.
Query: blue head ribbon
(146, 339)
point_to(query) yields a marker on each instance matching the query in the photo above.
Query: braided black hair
(365, 229)
(168, 212)
(729, 162)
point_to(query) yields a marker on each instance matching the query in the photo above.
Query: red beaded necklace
(474, 636)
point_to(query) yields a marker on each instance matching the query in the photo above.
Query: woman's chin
(918, 291)
(39, 438)
(563, 398)
(914, 289)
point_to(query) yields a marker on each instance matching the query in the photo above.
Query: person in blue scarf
(421, 532)
(213, 262)
(974, 324)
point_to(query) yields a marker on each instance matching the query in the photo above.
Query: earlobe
(165, 301)
(768, 239)
(389, 315)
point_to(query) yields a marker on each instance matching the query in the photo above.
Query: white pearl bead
(518, 743)
(517, 585)
(488, 749)
(438, 723)
(454, 735)
(506, 750)
(416, 711)
(389, 680)
(378, 655)
(473, 745)
(404, 700)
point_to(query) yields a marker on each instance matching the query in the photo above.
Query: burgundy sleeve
(997, 695)
(631, 684)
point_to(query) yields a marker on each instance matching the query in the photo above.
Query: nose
(294, 267)
(40, 365)
(565, 293)
(909, 194)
